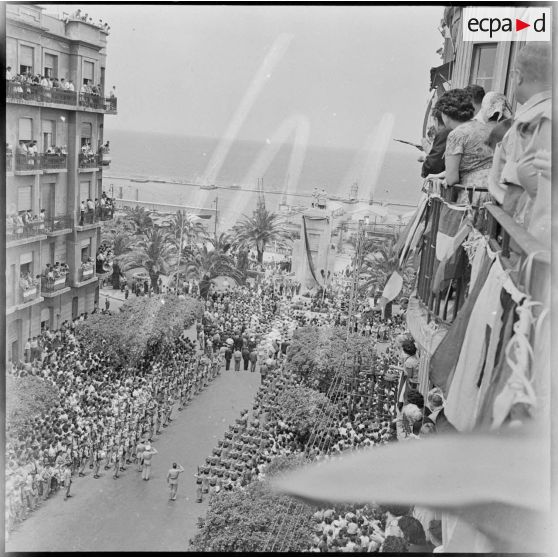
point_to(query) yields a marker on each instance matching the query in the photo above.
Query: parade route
(128, 514)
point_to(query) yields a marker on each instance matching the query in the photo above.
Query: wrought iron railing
(33, 92)
(58, 223)
(19, 91)
(99, 102)
(40, 161)
(505, 236)
(19, 231)
(89, 161)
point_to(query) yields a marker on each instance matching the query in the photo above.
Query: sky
(333, 70)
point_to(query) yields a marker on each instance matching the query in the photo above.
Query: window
(86, 133)
(482, 69)
(48, 134)
(24, 198)
(88, 72)
(25, 129)
(26, 55)
(51, 66)
(85, 253)
(84, 191)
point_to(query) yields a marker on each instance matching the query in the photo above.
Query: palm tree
(140, 219)
(380, 261)
(202, 263)
(262, 228)
(185, 228)
(154, 252)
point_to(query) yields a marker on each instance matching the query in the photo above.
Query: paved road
(133, 515)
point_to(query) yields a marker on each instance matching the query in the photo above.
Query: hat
(352, 529)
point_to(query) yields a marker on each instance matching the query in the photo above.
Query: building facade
(54, 162)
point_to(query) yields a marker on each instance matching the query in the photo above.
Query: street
(128, 514)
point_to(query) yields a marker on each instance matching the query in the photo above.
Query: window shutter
(26, 55)
(25, 258)
(50, 61)
(84, 188)
(24, 198)
(88, 70)
(25, 129)
(60, 253)
(48, 127)
(86, 128)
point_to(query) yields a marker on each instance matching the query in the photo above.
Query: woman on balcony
(468, 156)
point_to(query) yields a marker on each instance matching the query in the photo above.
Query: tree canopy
(27, 397)
(142, 322)
(317, 353)
(240, 520)
(259, 230)
(305, 410)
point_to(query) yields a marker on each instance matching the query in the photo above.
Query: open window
(483, 65)
(26, 55)
(51, 66)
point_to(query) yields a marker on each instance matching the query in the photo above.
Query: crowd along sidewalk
(129, 514)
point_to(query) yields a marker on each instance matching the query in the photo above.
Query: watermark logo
(495, 24)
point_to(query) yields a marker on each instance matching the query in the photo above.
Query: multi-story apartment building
(53, 163)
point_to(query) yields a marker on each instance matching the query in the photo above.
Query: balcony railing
(9, 162)
(89, 161)
(32, 92)
(15, 231)
(27, 294)
(58, 223)
(86, 273)
(40, 161)
(54, 285)
(98, 214)
(89, 100)
(502, 232)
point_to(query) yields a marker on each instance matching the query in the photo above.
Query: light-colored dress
(470, 141)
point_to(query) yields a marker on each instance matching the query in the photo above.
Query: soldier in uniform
(172, 479)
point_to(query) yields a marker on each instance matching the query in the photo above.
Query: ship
(208, 187)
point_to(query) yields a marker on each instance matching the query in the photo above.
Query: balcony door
(48, 135)
(48, 200)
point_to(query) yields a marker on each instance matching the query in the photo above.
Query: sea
(170, 169)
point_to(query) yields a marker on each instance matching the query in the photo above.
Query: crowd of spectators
(79, 16)
(92, 211)
(104, 413)
(237, 324)
(487, 154)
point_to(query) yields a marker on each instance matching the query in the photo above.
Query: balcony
(86, 275)
(19, 233)
(89, 162)
(90, 219)
(501, 232)
(54, 287)
(28, 93)
(25, 296)
(98, 102)
(33, 93)
(61, 224)
(40, 162)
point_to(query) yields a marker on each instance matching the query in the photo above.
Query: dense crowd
(103, 417)
(384, 406)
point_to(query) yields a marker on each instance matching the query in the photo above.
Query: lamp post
(216, 202)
